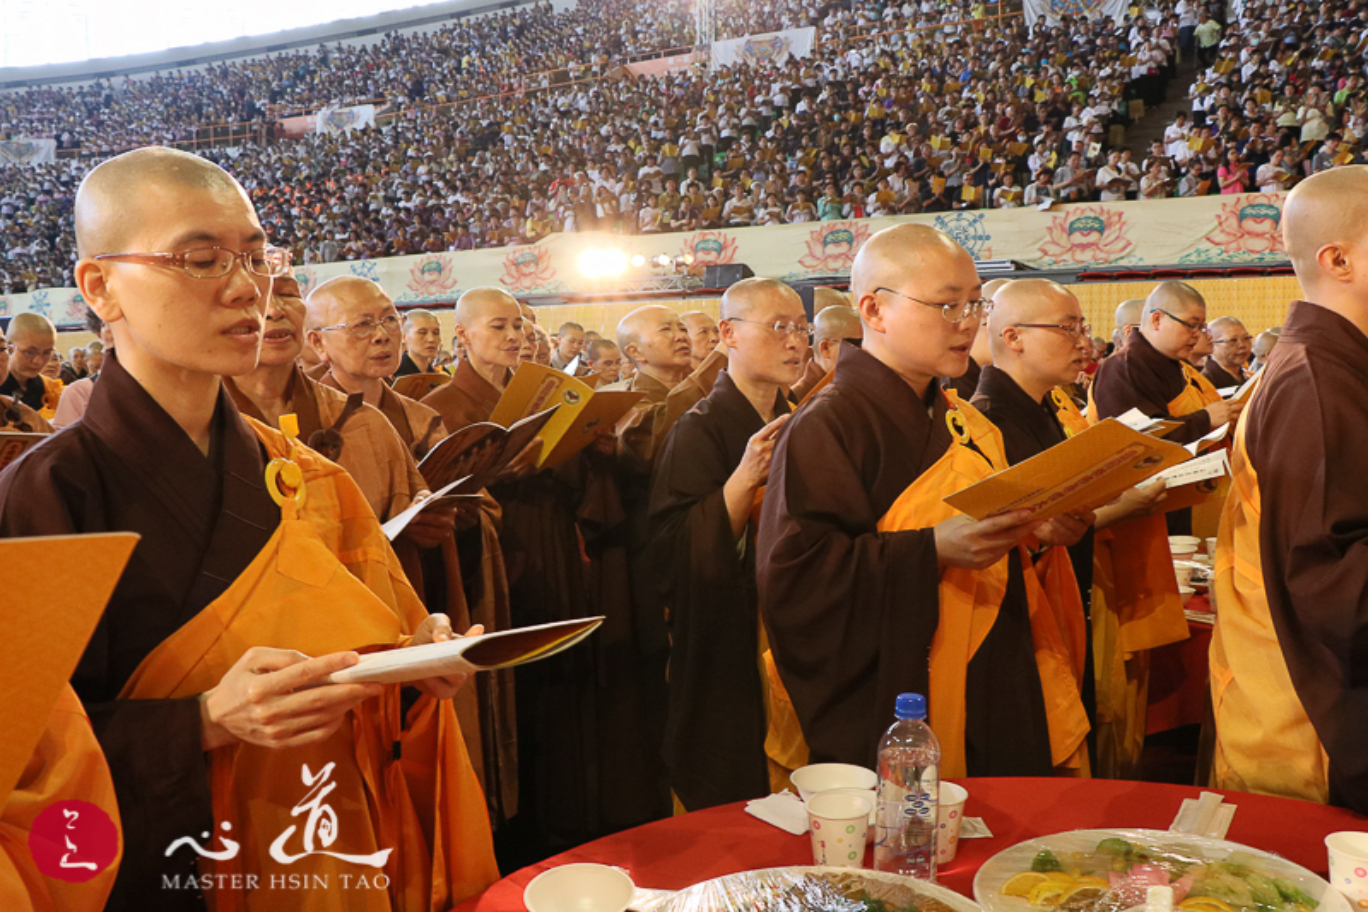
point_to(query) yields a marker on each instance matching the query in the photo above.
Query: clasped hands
(974, 544)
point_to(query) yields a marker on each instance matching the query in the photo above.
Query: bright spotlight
(638, 260)
(602, 263)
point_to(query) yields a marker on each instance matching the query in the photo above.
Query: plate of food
(1112, 870)
(817, 889)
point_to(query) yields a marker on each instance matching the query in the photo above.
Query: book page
(13, 444)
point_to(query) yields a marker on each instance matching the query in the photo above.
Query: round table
(681, 851)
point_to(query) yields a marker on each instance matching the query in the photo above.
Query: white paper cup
(949, 815)
(822, 777)
(1349, 865)
(1211, 547)
(1184, 574)
(872, 795)
(1186, 593)
(839, 826)
(579, 888)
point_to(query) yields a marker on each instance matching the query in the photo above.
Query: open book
(582, 410)
(1240, 393)
(416, 386)
(434, 501)
(474, 456)
(1085, 471)
(486, 652)
(14, 443)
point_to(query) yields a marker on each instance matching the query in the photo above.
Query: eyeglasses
(781, 328)
(32, 354)
(956, 312)
(213, 262)
(1233, 340)
(365, 327)
(1074, 330)
(1193, 328)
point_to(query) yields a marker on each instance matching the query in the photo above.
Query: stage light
(602, 263)
(663, 260)
(638, 260)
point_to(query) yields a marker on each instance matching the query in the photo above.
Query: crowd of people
(900, 109)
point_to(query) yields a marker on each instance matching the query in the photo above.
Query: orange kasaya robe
(1136, 607)
(67, 764)
(52, 394)
(1198, 394)
(328, 581)
(970, 600)
(1264, 740)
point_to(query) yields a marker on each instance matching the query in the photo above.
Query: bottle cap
(910, 706)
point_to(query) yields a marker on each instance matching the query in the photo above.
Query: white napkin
(974, 828)
(784, 810)
(1204, 816)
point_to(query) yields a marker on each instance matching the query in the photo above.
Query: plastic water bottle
(909, 786)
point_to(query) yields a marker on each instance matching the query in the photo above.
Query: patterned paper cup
(949, 813)
(838, 824)
(1349, 865)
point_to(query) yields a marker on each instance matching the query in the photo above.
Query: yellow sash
(1264, 741)
(328, 581)
(970, 600)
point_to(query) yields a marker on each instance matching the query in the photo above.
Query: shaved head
(655, 340)
(1177, 297)
(839, 321)
(1222, 325)
(419, 317)
(479, 303)
(31, 326)
(703, 332)
(992, 287)
(1128, 313)
(1327, 210)
(529, 315)
(1263, 344)
(110, 202)
(329, 302)
(895, 270)
(1029, 339)
(747, 295)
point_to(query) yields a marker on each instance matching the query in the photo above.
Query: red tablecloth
(1179, 675)
(676, 853)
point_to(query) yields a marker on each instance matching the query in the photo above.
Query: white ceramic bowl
(579, 888)
(1186, 592)
(821, 777)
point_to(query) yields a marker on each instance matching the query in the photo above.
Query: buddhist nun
(703, 336)
(33, 341)
(702, 527)
(207, 679)
(863, 570)
(569, 345)
(422, 343)
(15, 414)
(1231, 345)
(1040, 343)
(354, 327)
(1261, 349)
(1287, 687)
(604, 360)
(981, 352)
(834, 324)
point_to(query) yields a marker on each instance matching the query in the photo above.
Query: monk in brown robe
(1290, 699)
(863, 570)
(1040, 342)
(604, 360)
(422, 343)
(703, 336)
(834, 324)
(198, 679)
(655, 340)
(354, 327)
(1127, 317)
(34, 340)
(1231, 346)
(1262, 348)
(15, 415)
(714, 463)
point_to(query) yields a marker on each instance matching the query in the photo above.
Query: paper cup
(1349, 865)
(1211, 547)
(871, 795)
(839, 825)
(1184, 574)
(949, 814)
(822, 777)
